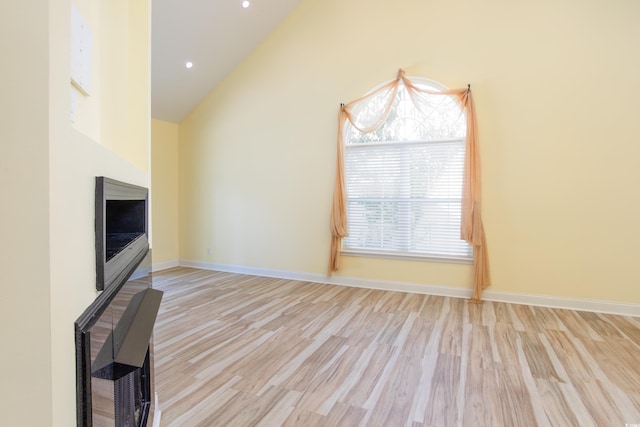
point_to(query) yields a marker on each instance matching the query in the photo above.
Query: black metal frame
(83, 326)
(132, 335)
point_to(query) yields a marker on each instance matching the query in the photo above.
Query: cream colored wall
(165, 195)
(556, 93)
(137, 146)
(76, 159)
(47, 182)
(114, 113)
(25, 352)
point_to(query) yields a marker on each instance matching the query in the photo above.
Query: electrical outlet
(208, 251)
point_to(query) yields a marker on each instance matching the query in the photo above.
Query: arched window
(404, 180)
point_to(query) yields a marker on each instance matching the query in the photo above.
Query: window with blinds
(404, 181)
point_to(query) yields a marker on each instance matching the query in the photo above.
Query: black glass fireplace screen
(114, 353)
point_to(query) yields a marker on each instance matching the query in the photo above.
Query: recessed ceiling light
(189, 64)
(245, 4)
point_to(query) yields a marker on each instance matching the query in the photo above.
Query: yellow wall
(76, 159)
(48, 172)
(556, 93)
(114, 113)
(165, 196)
(25, 352)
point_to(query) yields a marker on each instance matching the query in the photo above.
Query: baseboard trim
(157, 413)
(165, 265)
(579, 304)
(597, 306)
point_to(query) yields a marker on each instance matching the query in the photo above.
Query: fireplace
(120, 229)
(114, 348)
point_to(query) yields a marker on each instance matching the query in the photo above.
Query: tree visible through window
(404, 180)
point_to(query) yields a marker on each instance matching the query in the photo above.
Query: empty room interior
(374, 213)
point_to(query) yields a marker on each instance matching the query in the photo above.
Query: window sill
(407, 257)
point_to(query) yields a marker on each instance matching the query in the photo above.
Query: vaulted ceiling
(214, 35)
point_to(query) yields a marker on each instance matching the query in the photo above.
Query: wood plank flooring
(237, 350)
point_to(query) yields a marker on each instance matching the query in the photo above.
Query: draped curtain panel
(471, 228)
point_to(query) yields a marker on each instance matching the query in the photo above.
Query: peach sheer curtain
(471, 228)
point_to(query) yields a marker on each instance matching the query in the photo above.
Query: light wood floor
(235, 350)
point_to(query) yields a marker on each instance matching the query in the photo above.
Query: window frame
(405, 255)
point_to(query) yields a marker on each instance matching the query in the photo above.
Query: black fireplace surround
(114, 349)
(120, 229)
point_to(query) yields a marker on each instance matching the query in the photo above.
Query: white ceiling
(213, 34)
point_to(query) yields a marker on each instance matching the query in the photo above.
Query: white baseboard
(598, 306)
(157, 413)
(164, 265)
(580, 304)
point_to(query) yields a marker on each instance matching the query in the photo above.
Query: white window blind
(404, 182)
